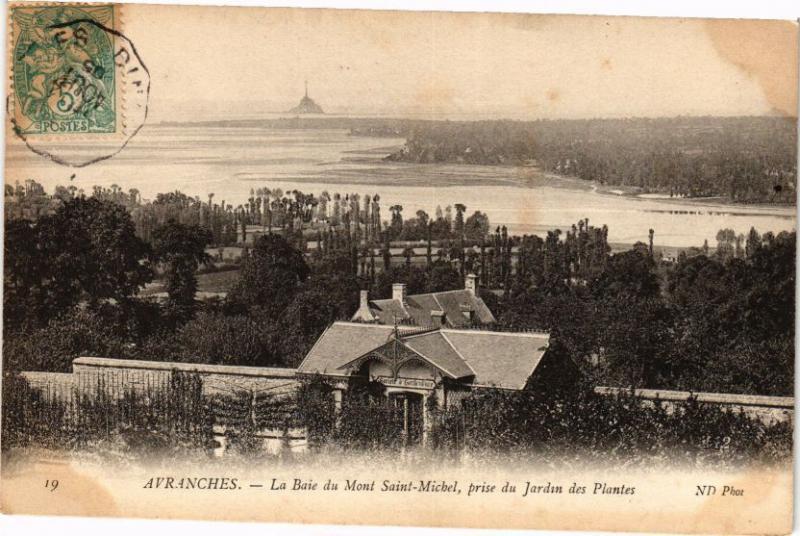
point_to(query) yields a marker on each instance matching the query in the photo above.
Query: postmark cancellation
(73, 73)
(63, 69)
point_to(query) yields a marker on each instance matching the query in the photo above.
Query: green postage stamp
(63, 62)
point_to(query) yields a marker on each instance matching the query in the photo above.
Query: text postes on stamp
(75, 74)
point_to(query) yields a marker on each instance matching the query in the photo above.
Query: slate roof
(435, 348)
(343, 342)
(500, 359)
(482, 358)
(419, 306)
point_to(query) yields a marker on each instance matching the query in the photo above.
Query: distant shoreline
(633, 193)
(536, 177)
(425, 118)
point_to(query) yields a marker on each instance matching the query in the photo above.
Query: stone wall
(118, 374)
(767, 409)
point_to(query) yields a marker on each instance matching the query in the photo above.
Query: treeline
(720, 323)
(710, 322)
(294, 214)
(72, 278)
(746, 159)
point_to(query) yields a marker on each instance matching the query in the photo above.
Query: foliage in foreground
(578, 426)
(166, 419)
(585, 426)
(173, 419)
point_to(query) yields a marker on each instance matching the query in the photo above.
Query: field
(211, 283)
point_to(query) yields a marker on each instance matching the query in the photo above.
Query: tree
(459, 222)
(96, 242)
(77, 332)
(180, 249)
(767, 298)
(270, 277)
(753, 243)
(634, 336)
(628, 273)
(216, 338)
(734, 318)
(428, 245)
(408, 253)
(636, 340)
(477, 226)
(423, 218)
(87, 250)
(765, 368)
(726, 239)
(27, 300)
(396, 224)
(448, 218)
(442, 276)
(697, 281)
(414, 278)
(324, 299)
(386, 252)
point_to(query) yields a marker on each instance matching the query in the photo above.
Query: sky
(207, 62)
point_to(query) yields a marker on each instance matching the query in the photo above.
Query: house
(424, 367)
(451, 309)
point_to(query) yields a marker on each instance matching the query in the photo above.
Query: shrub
(162, 421)
(213, 337)
(621, 428)
(368, 420)
(316, 409)
(78, 333)
(29, 418)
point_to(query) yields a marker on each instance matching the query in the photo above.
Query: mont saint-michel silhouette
(307, 105)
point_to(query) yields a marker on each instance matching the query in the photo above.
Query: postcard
(399, 268)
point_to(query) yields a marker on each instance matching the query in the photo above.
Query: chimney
(364, 313)
(471, 283)
(399, 292)
(437, 318)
